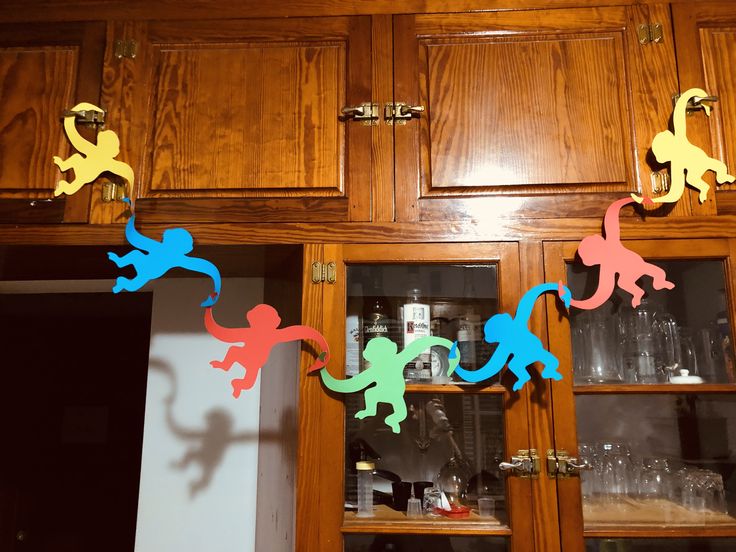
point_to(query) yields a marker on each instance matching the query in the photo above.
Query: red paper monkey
(258, 340)
(614, 259)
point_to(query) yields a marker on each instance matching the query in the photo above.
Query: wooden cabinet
(651, 448)
(45, 69)
(239, 120)
(542, 113)
(706, 50)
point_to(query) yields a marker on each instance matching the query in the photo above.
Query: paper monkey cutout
(92, 159)
(258, 340)
(684, 156)
(386, 371)
(614, 259)
(152, 259)
(516, 341)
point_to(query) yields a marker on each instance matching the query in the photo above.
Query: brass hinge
(125, 49)
(322, 272)
(111, 191)
(526, 463)
(399, 113)
(560, 464)
(649, 33)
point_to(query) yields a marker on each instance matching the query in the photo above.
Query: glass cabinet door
(452, 436)
(647, 405)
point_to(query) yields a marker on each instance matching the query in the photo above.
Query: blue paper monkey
(152, 259)
(516, 341)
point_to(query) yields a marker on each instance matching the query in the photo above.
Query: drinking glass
(670, 342)
(688, 358)
(616, 469)
(641, 343)
(432, 500)
(600, 348)
(588, 478)
(656, 479)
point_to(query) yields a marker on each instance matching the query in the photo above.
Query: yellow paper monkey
(684, 156)
(96, 158)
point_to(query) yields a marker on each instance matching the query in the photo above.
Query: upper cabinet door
(44, 70)
(240, 120)
(524, 109)
(706, 52)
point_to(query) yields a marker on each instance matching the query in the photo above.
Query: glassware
(688, 358)
(656, 479)
(432, 500)
(600, 348)
(670, 342)
(365, 488)
(712, 364)
(486, 506)
(452, 479)
(616, 470)
(414, 508)
(588, 478)
(641, 343)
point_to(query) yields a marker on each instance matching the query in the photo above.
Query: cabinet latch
(324, 272)
(399, 113)
(649, 33)
(526, 463)
(561, 464)
(86, 116)
(695, 104)
(125, 49)
(366, 113)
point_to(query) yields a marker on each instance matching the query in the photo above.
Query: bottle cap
(365, 466)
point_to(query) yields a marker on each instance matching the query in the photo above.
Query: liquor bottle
(415, 324)
(467, 336)
(376, 321)
(352, 329)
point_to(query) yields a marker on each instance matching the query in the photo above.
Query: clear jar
(365, 488)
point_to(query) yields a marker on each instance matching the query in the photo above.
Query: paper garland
(152, 259)
(92, 159)
(258, 340)
(383, 381)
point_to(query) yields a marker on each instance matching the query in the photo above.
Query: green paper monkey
(387, 373)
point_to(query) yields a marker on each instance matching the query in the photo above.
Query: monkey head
(592, 250)
(263, 316)
(378, 349)
(497, 327)
(663, 146)
(109, 142)
(178, 240)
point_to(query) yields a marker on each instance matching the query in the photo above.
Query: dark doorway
(72, 397)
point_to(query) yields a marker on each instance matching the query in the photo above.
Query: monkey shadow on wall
(208, 443)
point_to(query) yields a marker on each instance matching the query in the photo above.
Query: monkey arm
(494, 365)
(679, 115)
(70, 126)
(415, 348)
(294, 333)
(205, 267)
(611, 223)
(350, 385)
(229, 335)
(606, 285)
(138, 240)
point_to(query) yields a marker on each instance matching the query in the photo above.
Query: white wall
(222, 515)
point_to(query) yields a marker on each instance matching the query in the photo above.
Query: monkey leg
(627, 282)
(659, 277)
(518, 365)
(68, 188)
(550, 363)
(371, 397)
(231, 357)
(246, 382)
(722, 176)
(128, 284)
(695, 179)
(399, 414)
(132, 258)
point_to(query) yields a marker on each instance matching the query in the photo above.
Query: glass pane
(671, 332)
(450, 443)
(423, 543)
(660, 545)
(657, 460)
(407, 302)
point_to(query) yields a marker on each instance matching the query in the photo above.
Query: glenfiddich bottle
(376, 322)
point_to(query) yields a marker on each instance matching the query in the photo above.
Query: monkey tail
(524, 310)
(680, 112)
